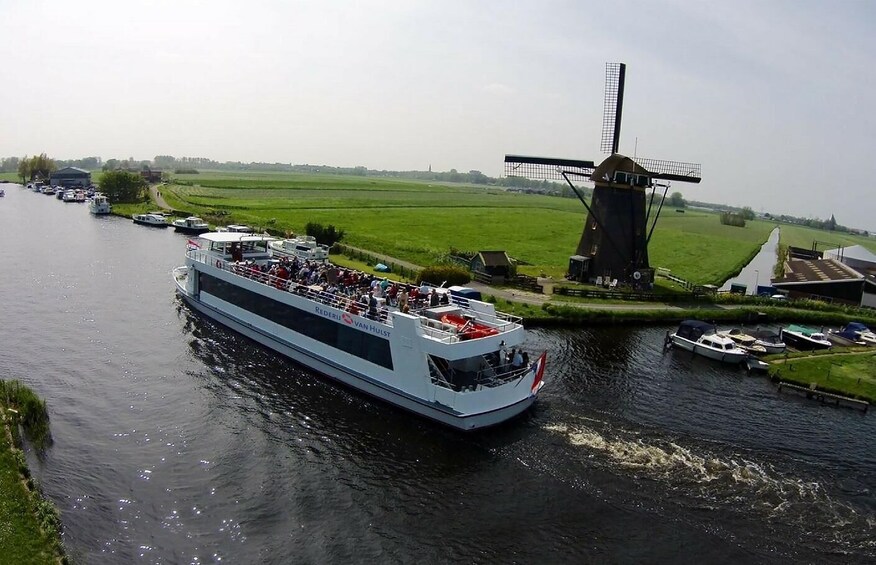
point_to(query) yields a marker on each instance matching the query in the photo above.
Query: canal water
(179, 441)
(758, 271)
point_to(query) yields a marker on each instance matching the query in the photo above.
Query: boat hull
(431, 410)
(150, 224)
(187, 229)
(801, 343)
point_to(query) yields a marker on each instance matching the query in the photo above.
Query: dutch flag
(538, 367)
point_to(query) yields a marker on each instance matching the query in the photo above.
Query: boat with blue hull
(445, 362)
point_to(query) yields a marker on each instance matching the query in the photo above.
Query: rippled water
(178, 441)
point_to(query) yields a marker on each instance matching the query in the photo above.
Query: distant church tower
(430, 167)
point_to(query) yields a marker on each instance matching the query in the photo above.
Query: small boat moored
(303, 246)
(805, 338)
(192, 224)
(854, 333)
(701, 338)
(151, 219)
(744, 341)
(100, 204)
(771, 341)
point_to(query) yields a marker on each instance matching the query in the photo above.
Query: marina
(177, 439)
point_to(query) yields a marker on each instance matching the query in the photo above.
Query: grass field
(420, 222)
(801, 236)
(852, 374)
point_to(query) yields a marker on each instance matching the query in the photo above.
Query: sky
(774, 98)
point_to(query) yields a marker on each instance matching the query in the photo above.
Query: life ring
(218, 264)
(637, 275)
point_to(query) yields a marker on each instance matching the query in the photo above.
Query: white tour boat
(100, 204)
(192, 224)
(443, 362)
(151, 219)
(702, 339)
(303, 247)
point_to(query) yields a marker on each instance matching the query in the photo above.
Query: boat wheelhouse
(303, 247)
(701, 338)
(443, 362)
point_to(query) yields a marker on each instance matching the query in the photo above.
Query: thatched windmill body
(614, 242)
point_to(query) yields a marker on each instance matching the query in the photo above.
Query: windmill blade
(612, 106)
(671, 170)
(547, 168)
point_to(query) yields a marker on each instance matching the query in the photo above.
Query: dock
(826, 397)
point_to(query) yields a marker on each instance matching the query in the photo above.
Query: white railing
(435, 329)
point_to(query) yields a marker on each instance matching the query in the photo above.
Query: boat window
(352, 340)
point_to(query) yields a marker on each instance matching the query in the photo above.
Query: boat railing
(482, 379)
(435, 329)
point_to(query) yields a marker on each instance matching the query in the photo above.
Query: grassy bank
(848, 373)
(29, 524)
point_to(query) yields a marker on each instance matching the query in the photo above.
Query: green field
(801, 236)
(852, 374)
(420, 222)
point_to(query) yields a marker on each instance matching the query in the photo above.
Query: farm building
(497, 264)
(70, 176)
(827, 279)
(151, 176)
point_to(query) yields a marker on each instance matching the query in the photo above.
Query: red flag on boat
(538, 367)
(191, 244)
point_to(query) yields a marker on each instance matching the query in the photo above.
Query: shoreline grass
(29, 523)
(849, 372)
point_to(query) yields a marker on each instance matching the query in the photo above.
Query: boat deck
(430, 316)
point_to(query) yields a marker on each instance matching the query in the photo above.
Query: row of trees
(38, 166)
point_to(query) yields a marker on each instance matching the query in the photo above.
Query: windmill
(614, 243)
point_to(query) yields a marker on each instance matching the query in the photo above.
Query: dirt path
(155, 192)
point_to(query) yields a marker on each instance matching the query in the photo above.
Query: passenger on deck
(433, 298)
(517, 361)
(445, 298)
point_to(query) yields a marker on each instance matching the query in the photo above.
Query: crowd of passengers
(352, 290)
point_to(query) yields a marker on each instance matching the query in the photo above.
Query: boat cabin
(694, 329)
(235, 246)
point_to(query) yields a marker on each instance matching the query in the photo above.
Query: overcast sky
(774, 98)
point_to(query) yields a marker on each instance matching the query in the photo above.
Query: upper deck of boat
(430, 316)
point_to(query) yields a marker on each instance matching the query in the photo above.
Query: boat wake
(711, 480)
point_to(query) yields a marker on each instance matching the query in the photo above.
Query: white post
(756, 281)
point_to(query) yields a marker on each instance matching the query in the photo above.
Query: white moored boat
(441, 362)
(303, 247)
(100, 204)
(151, 219)
(192, 224)
(701, 338)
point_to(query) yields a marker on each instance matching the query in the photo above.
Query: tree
(676, 200)
(122, 186)
(747, 213)
(42, 166)
(24, 170)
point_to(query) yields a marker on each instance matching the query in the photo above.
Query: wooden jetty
(825, 397)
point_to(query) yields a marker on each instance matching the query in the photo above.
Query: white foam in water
(767, 489)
